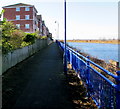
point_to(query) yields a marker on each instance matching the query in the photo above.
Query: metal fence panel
(104, 92)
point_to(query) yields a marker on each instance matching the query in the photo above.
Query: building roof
(19, 4)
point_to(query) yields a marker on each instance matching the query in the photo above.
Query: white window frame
(17, 17)
(18, 26)
(27, 17)
(17, 8)
(27, 9)
(27, 26)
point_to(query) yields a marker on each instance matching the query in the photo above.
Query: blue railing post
(88, 76)
(71, 59)
(104, 92)
(118, 91)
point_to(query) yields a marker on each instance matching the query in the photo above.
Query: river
(102, 51)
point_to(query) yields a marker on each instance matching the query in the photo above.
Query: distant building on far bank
(25, 17)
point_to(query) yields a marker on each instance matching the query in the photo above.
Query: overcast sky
(86, 19)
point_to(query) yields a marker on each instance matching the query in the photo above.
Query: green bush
(37, 35)
(23, 44)
(16, 38)
(13, 38)
(29, 38)
(7, 29)
(6, 47)
(44, 37)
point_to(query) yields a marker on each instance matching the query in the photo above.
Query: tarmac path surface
(46, 88)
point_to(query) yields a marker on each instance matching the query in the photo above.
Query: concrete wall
(12, 58)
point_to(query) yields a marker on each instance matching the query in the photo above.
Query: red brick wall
(22, 25)
(10, 14)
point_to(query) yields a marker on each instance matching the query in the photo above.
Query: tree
(11, 36)
(2, 12)
(7, 29)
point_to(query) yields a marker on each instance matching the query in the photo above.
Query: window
(27, 17)
(18, 9)
(27, 9)
(27, 26)
(17, 17)
(18, 26)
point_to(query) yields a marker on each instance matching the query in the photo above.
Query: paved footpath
(46, 89)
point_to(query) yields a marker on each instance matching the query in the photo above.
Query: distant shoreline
(96, 41)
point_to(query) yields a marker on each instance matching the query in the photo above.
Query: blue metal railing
(103, 91)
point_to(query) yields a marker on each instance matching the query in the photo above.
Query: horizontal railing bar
(106, 79)
(90, 75)
(77, 53)
(106, 71)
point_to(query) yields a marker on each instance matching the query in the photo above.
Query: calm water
(101, 51)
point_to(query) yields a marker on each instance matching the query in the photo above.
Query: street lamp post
(57, 30)
(65, 55)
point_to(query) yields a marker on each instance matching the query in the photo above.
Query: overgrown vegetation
(28, 39)
(13, 38)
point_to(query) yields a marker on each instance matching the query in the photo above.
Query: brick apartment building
(39, 17)
(25, 17)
